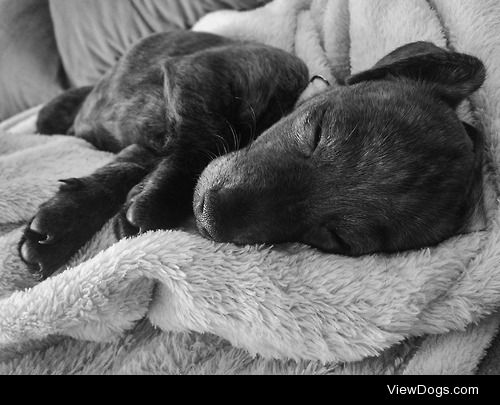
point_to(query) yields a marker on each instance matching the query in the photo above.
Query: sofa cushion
(30, 68)
(93, 34)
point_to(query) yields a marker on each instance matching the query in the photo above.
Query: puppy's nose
(224, 213)
(204, 212)
(206, 204)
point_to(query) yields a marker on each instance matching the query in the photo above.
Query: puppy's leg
(80, 209)
(58, 116)
(164, 199)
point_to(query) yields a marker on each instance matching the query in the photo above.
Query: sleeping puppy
(175, 102)
(382, 164)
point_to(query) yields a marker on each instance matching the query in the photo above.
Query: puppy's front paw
(155, 209)
(62, 226)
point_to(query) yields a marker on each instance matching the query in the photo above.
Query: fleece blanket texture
(174, 303)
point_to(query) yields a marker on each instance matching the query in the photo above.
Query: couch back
(93, 34)
(30, 68)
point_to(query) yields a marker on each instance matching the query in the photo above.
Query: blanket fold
(286, 309)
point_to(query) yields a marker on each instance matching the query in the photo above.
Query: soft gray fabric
(219, 305)
(491, 363)
(93, 34)
(30, 64)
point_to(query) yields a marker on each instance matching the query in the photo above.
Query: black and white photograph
(251, 187)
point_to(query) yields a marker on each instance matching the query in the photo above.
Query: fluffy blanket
(171, 302)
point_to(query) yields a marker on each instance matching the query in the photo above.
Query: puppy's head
(381, 165)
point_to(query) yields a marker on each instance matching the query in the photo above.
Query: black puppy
(380, 165)
(175, 102)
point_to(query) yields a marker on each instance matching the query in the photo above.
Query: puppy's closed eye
(313, 134)
(317, 136)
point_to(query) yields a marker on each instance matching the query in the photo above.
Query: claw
(131, 217)
(26, 256)
(49, 240)
(36, 228)
(132, 221)
(35, 232)
(71, 184)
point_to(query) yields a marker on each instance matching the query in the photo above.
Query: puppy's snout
(222, 213)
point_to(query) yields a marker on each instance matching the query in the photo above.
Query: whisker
(224, 143)
(211, 155)
(353, 131)
(253, 126)
(235, 135)
(206, 153)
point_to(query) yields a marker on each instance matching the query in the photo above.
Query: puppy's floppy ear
(454, 76)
